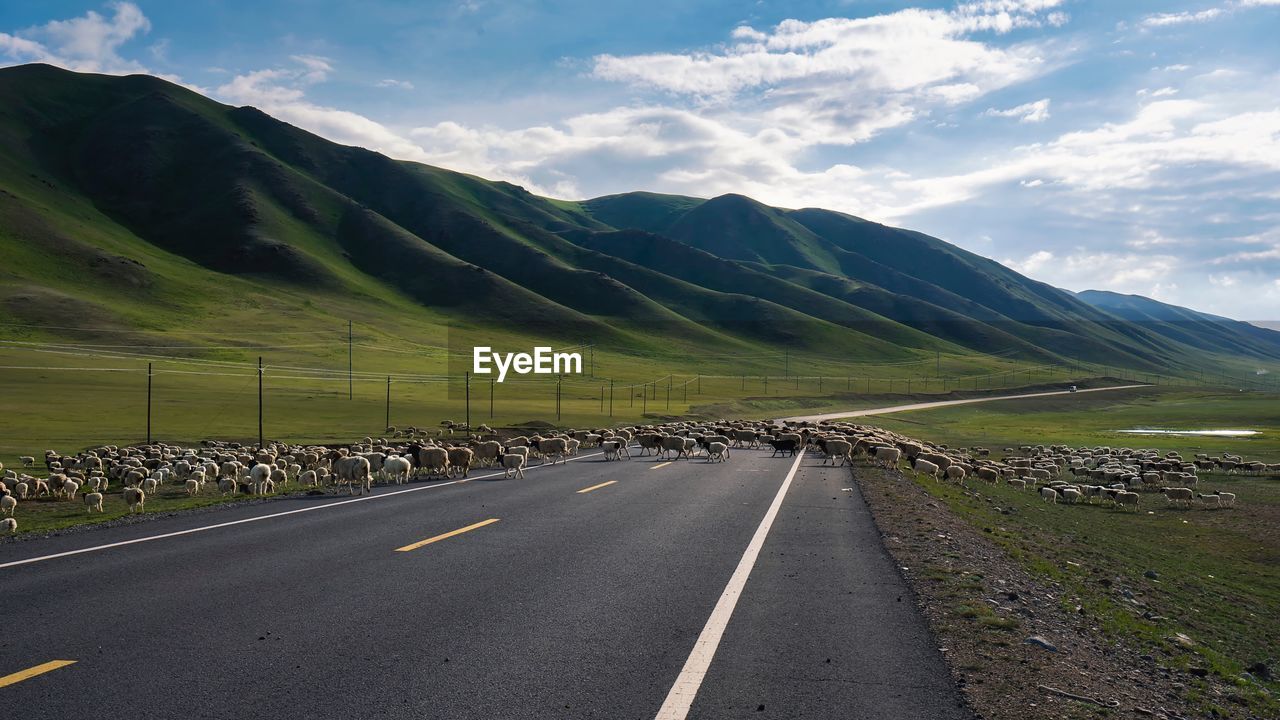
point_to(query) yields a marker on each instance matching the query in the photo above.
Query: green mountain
(130, 204)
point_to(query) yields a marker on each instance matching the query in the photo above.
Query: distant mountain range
(127, 201)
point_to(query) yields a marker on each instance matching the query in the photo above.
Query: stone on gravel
(1041, 642)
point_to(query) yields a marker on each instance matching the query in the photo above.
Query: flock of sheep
(1109, 475)
(1063, 474)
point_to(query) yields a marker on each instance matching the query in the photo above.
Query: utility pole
(148, 403)
(699, 391)
(644, 401)
(668, 394)
(260, 442)
(388, 402)
(592, 350)
(610, 397)
(558, 380)
(490, 398)
(350, 364)
(467, 379)
(602, 398)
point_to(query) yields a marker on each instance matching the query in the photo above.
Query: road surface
(756, 588)
(943, 403)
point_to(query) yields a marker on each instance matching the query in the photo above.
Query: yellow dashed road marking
(34, 671)
(447, 535)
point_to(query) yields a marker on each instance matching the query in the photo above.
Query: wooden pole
(148, 403)
(260, 440)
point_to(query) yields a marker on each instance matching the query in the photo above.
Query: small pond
(1203, 433)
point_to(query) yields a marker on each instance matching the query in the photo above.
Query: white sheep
(135, 498)
(21, 490)
(957, 473)
(8, 504)
(924, 467)
(70, 488)
(842, 449)
(1048, 494)
(610, 449)
(27, 461)
(93, 501)
(1128, 498)
(397, 469)
(716, 452)
(888, 456)
(9, 525)
(1179, 495)
(513, 462)
(1071, 495)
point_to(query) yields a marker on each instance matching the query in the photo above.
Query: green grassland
(1216, 572)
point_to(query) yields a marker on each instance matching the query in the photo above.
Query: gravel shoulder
(1018, 645)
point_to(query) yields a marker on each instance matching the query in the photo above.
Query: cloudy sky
(1129, 146)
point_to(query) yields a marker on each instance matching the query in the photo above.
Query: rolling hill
(130, 204)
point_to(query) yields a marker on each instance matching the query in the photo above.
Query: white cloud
(1181, 18)
(1032, 112)
(393, 83)
(89, 43)
(281, 92)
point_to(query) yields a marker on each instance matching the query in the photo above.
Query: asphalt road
(865, 412)
(563, 604)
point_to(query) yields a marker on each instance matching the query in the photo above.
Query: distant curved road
(943, 403)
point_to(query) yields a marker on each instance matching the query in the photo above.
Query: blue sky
(1127, 146)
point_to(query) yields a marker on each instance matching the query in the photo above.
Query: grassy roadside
(1211, 575)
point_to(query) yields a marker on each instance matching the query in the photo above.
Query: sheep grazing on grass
(27, 461)
(8, 504)
(1179, 495)
(21, 490)
(1071, 495)
(716, 452)
(310, 478)
(135, 498)
(1124, 498)
(1017, 483)
(1048, 495)
(70, 488)
(924, 467)
(93, 501)
(9, 525)
(227, 485)
(956, 473)
(513, 463)
(1218, 499)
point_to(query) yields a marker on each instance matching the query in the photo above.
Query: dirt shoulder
(1019, 645)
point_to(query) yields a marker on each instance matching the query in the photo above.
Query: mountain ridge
(109, 183)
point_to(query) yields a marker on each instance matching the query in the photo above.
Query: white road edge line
(325, 506)
(680, 699)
